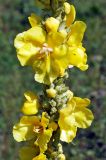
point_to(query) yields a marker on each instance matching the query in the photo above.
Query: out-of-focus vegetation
(90, 144)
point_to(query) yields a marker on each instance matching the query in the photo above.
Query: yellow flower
(44, 51)
(31, 105)
(75, 115)
(50, 49)
(31, 127)
(77, 55)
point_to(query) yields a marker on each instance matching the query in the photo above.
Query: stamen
(45, 49)
(70, 66)
(38, 129)
(45, 44)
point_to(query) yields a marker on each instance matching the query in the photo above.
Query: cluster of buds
(51, 47)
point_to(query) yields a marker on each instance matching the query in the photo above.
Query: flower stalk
(51, 47)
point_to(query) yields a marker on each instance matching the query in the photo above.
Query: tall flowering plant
(51, 46)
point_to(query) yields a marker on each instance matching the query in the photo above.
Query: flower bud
(67, 7)
(51, 92)
(61, 157)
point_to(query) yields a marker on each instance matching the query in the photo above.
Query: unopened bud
(61, 157)
(51, 92)
(67, 7)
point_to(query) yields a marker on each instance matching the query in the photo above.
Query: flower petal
(44, 120)
(68, 135)
(43, 140)
(23, 131)
(78, 57)
(83, 117)
(35, 35)
(52, 24)
(47, 70)
(32, 120)
(27, 54)
(28, 44)
(30, 96)
(60, 52)
(56, 38)
(19, 41)
(81, 102)
(76, 33)
(30, 106)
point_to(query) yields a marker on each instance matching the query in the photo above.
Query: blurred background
(90, 144)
